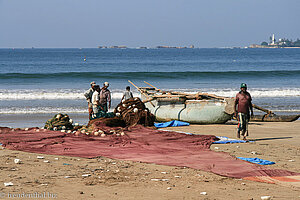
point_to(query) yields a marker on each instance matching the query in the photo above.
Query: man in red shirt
(242, 108)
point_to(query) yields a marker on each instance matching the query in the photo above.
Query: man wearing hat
(105, 97)
(242, 108)
(88, 96)
(96, 102)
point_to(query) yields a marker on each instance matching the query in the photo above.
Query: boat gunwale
(205, 100)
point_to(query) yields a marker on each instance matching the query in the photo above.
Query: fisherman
(88, 96)
(127, 94)
(242, 105)
(96, 102)
(105, 97)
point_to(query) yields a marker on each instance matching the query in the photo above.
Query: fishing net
(128, 113)
(59, 122)
(146, 145)
(103, 127)
(102, 114)
(133, 112)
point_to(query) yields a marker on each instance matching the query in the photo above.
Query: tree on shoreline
(264, 44)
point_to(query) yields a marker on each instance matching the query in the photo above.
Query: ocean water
(42, 82)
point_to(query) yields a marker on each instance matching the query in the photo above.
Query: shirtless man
(242, 108)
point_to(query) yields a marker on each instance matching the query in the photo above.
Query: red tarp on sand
(139, 144)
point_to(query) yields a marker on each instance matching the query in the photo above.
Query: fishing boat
(274, 118)
(199, 108)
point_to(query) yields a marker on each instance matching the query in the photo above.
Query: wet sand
(36, 120)
(115, 179)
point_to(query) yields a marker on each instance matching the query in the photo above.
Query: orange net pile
(133, 112)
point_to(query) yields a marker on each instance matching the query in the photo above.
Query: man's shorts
(104, 106)
(243, 122)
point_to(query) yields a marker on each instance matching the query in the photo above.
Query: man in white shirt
(127, 94)
(96, 101)
(88, 96)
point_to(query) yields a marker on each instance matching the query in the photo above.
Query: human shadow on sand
(236, 123)
(277, 138)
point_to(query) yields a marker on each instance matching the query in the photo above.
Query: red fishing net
(137, 143)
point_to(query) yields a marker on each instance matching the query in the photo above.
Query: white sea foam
(41, 110)
(47, 110)
(256, 93)
(286, 110)
(59, 94)
(72, 94)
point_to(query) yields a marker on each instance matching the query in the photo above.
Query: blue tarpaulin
(226, 140)
(171, 123)
(257, 161)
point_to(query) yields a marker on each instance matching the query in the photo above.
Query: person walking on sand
(242, 108)
(127, 94)
(88, 96)
(105, 97)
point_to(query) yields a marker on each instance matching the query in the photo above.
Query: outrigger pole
(262, 109)
(149, 99)
(153, 86)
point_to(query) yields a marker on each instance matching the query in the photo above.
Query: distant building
(282, 43)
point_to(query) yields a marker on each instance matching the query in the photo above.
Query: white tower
(273, 39)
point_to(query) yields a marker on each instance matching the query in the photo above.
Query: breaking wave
(60, 94)
(73, 94)
(295, 92)
(81, 110)
(46, 110)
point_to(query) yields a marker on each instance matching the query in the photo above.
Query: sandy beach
(61, 176)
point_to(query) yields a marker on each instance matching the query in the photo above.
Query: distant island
(281, 43)
(157, 47)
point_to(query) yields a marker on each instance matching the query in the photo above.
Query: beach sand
(116, 179)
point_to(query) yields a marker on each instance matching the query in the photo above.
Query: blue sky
(90, 23)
